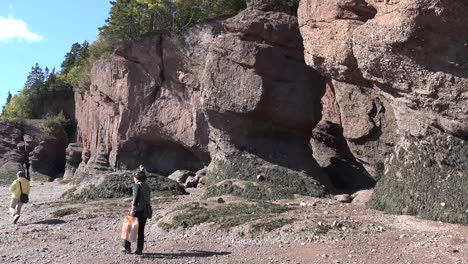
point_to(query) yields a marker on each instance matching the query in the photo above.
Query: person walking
(19, 188)
(141, 208)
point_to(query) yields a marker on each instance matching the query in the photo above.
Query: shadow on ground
(189, 254)
(49, 222)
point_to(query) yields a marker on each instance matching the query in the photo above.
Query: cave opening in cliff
(161, 157)
(331, 149)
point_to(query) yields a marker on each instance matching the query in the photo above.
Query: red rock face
(226, 93)
(408, 59)
(139, 111)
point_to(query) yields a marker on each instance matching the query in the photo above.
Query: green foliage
(35, 77)
(129, 19)
(9, 96)
(40, 85)
(76, 56)
(54, 125)
(77, 72)
(19, 106)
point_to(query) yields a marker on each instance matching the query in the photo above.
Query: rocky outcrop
(26, 141)
(397, 70)
(60, 102)
(11, 156)
(260, 113)
(234, 94)
(48, 157)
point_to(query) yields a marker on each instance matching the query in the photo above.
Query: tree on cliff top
(40, 86)
(129, 19)
(77, 54)
(35, 76)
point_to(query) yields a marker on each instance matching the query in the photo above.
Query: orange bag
(130, 229)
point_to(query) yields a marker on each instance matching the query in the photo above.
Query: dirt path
(324, 232)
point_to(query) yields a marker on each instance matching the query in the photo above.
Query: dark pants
(141, 234)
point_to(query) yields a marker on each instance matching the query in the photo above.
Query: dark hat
(20, 174)
(141, 175)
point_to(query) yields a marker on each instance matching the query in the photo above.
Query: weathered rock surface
(397, 69)
(234, 94)
(138, 111)
(261, 115)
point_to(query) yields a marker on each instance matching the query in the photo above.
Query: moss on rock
(238, 176)
(224, 216)
(427, 178)
(116, 185)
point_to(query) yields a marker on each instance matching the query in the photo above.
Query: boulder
(343, 198)
(426, 177)
(362, 197)
(181, 176)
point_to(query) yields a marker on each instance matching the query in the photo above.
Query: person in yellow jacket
(20, 184)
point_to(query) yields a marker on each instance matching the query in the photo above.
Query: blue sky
(42, 31)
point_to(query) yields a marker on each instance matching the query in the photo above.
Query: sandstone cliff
(398, 89)
(234, 95)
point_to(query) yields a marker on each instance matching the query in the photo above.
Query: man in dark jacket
(141, 208)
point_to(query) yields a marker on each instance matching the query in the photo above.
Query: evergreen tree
(36, 75)
(71, 58)
(46, 73)
(6, 103)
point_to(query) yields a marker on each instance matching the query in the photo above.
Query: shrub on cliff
(55, 125)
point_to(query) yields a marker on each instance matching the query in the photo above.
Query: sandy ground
(353, 234)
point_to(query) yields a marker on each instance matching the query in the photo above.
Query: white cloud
(11, 29)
